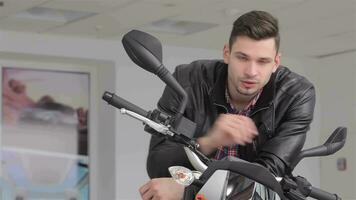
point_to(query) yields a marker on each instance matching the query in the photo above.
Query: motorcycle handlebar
(119, 102)
(321, 194)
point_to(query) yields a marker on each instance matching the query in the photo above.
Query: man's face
(250, 64)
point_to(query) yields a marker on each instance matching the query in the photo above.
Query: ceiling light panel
(179, 27)
(98, 6)
(22, 25)
(98, 26)
(12, 7)
(52, 15)
(131, 16)
(211, 39)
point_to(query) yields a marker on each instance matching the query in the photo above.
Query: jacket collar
(218, 90)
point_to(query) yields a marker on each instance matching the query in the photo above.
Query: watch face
(181, 175)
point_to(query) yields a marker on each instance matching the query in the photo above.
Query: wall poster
(44, 134)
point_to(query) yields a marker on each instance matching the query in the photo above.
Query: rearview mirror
(144, 50)
(333, 144)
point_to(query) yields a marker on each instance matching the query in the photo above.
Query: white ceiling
(315, 28)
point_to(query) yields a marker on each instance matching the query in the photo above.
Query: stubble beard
(246, 93)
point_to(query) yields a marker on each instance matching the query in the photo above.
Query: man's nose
(251, 70)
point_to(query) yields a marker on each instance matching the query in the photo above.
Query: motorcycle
(231, 178)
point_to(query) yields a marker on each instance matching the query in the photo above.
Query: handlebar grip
(321, 194)
(119, 102)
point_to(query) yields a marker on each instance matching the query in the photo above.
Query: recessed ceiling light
(52, 15)
(180, 27)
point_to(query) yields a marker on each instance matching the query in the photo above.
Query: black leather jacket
(282, 115)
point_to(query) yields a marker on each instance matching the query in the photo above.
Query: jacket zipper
(264, 108)
(254, 146)
(222, 107)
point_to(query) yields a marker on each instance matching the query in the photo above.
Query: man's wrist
(205, 145)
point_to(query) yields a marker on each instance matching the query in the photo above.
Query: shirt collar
(218, 90)
(247, 108)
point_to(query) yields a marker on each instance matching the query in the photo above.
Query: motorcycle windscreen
(243, 188)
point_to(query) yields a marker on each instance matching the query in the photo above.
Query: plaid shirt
(232, 149)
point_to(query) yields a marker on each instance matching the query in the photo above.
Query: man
(246, 106)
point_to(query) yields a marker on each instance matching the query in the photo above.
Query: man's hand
(162, 189)
(228, 129)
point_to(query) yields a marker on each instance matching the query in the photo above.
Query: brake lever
(156, 126)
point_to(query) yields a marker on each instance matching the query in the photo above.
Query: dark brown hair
(257, 25)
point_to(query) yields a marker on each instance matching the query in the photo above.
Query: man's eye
(242, 58)
(263, 62)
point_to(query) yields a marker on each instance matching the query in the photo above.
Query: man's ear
(226, 53)
(277, 61)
